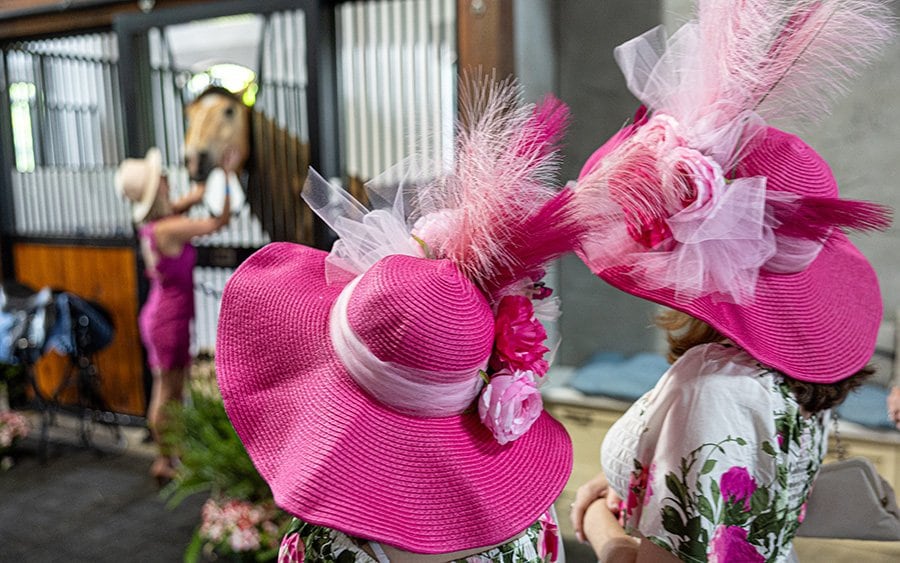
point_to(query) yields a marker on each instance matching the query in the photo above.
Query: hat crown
(789, 165)
(422, 314)
(133, 178)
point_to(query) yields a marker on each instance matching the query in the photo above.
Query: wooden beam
(36, 23)
(485, 36)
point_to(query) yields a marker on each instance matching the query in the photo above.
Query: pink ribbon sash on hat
(416, 392)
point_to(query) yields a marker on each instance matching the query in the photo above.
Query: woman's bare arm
(613, 545)
(190, 199)
(173, 232)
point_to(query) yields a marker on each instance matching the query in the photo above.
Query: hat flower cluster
(511, 401)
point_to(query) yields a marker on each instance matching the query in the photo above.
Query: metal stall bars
(395, 66)
(279, 155)
(67, 137)
(69, 229)
(398, 79)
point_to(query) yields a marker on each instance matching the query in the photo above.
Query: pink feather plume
(814, 217)
(789, 59)
(552, 231)
(499, 195)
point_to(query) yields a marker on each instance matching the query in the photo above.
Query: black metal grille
(67, 136)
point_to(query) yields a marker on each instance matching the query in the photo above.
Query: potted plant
(239, 521)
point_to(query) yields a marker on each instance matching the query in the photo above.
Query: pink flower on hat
(737, 485)
(519, 337)
(729, 543)
(509, 404)
(437, 227)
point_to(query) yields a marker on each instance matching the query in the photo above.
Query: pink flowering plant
(239, 521)
(13, 427)
(238, 529)
(511, 401)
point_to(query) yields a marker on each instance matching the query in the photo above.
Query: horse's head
(217, 120)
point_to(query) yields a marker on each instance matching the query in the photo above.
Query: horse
(217, 120)
(275, 161)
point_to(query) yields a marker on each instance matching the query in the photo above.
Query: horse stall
(347, 87)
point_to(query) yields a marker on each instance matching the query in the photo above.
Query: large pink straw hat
(816, 325)
(336, 456)
(702, 207)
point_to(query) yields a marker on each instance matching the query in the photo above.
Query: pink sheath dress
(165, 319)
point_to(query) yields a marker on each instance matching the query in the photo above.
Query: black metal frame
(7, 210)
(321, 64)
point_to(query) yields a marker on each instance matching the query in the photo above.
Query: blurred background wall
(861, 141)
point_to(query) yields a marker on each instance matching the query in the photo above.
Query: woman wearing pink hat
(165, 234)
(739, 229)
(387, 391)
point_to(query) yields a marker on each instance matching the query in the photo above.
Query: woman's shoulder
(718, 370)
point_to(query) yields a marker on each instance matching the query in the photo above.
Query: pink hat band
(415, 391)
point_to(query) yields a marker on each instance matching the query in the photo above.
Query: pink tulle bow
(509, 404)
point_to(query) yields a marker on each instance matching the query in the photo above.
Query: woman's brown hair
(683, 332)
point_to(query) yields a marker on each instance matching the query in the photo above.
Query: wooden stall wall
(109, 277)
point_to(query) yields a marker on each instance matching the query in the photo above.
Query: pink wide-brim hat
(336, 457)
(818, 325)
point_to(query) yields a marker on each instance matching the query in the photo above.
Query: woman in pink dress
(165, 233)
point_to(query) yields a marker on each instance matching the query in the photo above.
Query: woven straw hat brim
(140, 209)
(335, 457)
(818, 325)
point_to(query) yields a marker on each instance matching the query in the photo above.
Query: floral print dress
(716, 462)
(540, 543)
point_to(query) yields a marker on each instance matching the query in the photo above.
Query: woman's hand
(596, 488)
(606, 536)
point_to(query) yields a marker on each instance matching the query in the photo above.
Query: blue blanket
(867, 406)
(613, 375)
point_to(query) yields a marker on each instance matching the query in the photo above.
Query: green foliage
(212, 457)
(16, 382)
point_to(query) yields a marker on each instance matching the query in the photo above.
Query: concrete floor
(80, 506)
(84, 506)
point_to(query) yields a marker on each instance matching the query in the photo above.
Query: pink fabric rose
(729, 544)
(737, 485)
(548, 540)
(518, 337)
(291, 550)
(437, 228)
(509, 404)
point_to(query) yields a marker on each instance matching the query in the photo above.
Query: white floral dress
(540, 543)
(716, 462)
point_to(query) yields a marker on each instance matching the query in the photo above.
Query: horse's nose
(205, 164)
